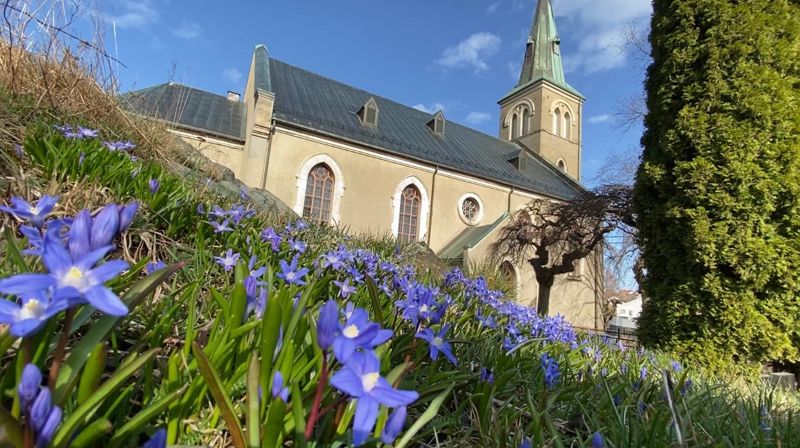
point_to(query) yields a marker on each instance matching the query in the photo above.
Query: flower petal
(25, 283)
(108, 270)
(347, 381)
(386, 394)
(25, 327)
(79, 234)
(106, 301)
(364, 420)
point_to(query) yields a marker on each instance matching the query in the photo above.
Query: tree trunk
(544, 295)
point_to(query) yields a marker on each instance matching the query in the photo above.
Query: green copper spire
(543, 52)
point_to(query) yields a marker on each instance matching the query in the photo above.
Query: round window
(470, 209)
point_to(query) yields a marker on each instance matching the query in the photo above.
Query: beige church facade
(342, 156)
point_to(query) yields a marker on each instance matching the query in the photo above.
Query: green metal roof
(190, 108)
(469, 238)
(308, 100)
(543, 53)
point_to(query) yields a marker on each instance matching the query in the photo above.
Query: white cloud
(231, 74)
(430, 109)
(599, 118)
(476, 118)
(472, 52)
(131, 14)
(187, 30)
(599, 27)
(494, 7)
(514, 68)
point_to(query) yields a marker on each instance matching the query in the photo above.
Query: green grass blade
(221, 397)
(428, 415)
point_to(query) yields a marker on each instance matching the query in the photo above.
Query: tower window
(369, 113)
(319, 194)
(557, 121)
(567, 126)
(526, 121)
(514, 126)
(561, 165)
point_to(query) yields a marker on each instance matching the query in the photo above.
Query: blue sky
(459, 55)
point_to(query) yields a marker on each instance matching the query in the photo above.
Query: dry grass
(48, 73)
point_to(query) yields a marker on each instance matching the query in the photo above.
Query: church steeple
(543, 52)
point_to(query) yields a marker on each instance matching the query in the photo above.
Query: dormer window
(369, 113)
(557, 46)
(437, 124)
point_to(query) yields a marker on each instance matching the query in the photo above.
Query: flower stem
(61, 348)
(323, 380)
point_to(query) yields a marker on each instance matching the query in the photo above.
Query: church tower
(543, 113)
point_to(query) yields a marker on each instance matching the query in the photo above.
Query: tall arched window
(319, 194)
(526, 121)
(509, 275)
(408, 223)
(514, 126)
(557, 121)
(567, 126)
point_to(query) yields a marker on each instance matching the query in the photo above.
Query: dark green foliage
(718, 193)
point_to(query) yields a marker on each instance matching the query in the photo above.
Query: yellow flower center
(423, 309)
(74, 277)
(34, 210)
(31, 310)
(370, 380)
(350, 331)
(437, 341)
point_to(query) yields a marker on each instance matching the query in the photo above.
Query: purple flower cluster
(72, 251)
(41, 415)
(353, 342)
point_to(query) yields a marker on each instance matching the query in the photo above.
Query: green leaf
(428, 415)
(79, 354)
(92, 433)
(12, 251)
(253, 411)
(84, 412)
(10, 430)
(136, 424)
(376, 302)
(270, 331)
(92, 373)
(298, 413)
(221, 397)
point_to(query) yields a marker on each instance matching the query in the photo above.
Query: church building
(346, 157)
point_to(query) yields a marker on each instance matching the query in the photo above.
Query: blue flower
(159, 440)
(274, 239)
(228, 260)
(35, 214)
(126, 215)
(157, 265)
(86, 132)
(356, 333)
(291, 274)
(597, 440)
(394, 425)
(437, 343)
(298, 246)
(35, 311)
(154, 185)
(29, 384)
(550, 368)
(43, 416)
(72, 279)
(220, 227)
(121, 145)
(643, 373)
(277, 387)
(676, 366)
(328, 325)
(361, 379)
(87, 233)
(526, 443)
(345, 288)
(487, 375)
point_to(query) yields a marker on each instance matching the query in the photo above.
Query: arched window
(562, 165)
(567, 126)
(408, 223)
(319, 194)
(526, 121)
(557, 121)
(514, 126)
(509, 275)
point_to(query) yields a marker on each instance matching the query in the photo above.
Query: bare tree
(551, 236)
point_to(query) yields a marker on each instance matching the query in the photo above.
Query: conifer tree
(717, 195)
